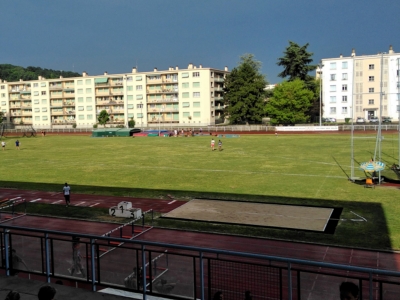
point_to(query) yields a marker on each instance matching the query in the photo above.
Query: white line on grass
(14, 198)
(94, 204)
(172, 202)
(57, 202)
(79, 203)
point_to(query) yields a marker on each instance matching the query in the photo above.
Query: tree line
(15, 73)
(295, 100)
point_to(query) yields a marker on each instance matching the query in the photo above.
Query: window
(3, 95)
(196, 104)
(185, 85)
(80, 82)
(344, 98)
(344, 65)
(196, 74)
(371, 101)
(371, 90)
(80, 99)
(89, 108)
(80, 91)
(140, 115)
(36, 101)
(36, 84)
(130, 115)
(88, 90)
(332, 110)
(81, 108)
(3, 103)
(344, 76)
(139, 87)
(185, 75)
(88, 99)
(89, 117)
(81, 117)
(88, 81)
(3, 87)
(344, 87)
(196, 94)
(139, 105)
(43, 92)
(36, 94)
(196, 114)
(130, 97)
(333, 66)
(44, 118)
(185, 95)
(371, 78)
(138, 78)
(185, 104)
(371, 67)
(43, 84)
(44, 101)
(196, 84)
(37, 118)
(129, 88)
(332, 88)
(332, 99)
(344, 110)
(139, 97)
(37, 109)
(130, 106)
(333, 77)
(186, 114)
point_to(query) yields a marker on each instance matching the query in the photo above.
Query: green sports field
(297, 169)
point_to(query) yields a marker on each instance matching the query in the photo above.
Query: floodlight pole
(398, 105)
(319, 70)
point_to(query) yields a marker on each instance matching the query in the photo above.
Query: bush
(95, 125)
(74, 125)
(120, 126)
(347, 120)
(131, 123)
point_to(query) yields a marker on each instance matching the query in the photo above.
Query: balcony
(54, 96)
(56, 87)
(69, 103)
(162, 110)
(219, 79)
(218, 98)
(219, 107)
(58, 112)
(219, 89)
(26, 113)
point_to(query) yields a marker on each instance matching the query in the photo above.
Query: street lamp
(159, 120)
(141, 114)
(319, 71)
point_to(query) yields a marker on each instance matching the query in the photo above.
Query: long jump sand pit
(256, 214)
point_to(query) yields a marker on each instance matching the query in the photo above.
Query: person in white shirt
(3, 145)
(67, 193)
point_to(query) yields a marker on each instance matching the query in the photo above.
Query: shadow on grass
(360, 224)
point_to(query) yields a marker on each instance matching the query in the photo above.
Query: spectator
(348, 291)
(218, 296)
(247, 295)
(13, 296)
(46, 293)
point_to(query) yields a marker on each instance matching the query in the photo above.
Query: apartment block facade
(361, 86)
(192, 96)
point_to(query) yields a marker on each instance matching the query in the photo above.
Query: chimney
(177, 68)
(134, 70)
(200, 66)
(353, 52)
(39, 77)
(391, 49)
(155, 69)
(105, 73)
(341, 55)
(190, 66)
(84, 74)
(61, 77)
(20, 80)
(226, 69)
(194, 67)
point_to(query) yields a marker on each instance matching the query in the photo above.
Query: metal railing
(178, 271)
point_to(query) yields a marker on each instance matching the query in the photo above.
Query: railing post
(144, 284)
(6, 252)
(201, 276)
(370, 286)
(92, 254)
(289, 269)
(47, 256)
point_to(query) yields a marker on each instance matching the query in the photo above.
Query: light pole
(159, 120)
(141, 114)
(319, 70)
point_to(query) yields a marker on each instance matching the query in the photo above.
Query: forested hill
(15, 73)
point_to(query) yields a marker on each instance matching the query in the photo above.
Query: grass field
(296, 169)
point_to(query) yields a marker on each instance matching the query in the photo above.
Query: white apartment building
(191, 96)
(361, 86)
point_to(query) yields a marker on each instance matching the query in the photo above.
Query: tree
(244, 95)
(103, 117)
(290, 103)
(296, 62)
(1, 117)
(131, 123)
